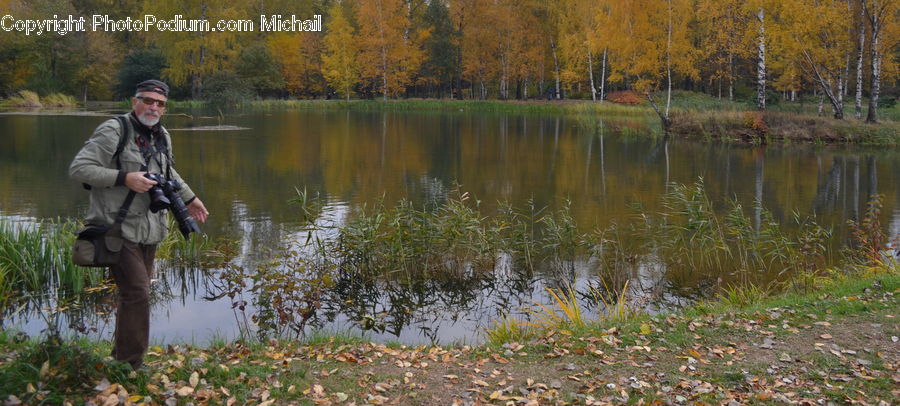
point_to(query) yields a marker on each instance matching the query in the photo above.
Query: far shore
(693, 116)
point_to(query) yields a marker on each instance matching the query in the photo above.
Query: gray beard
(148, 121)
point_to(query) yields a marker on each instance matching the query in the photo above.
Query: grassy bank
(27, 99)
(756, 127)
(36, 268)
(836, 343)
(694, 115)
(824, 334)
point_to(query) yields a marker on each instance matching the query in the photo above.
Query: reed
(35, 263)
(25, 98)
(507, 329)
(59, 100)
(180, 251)
(454, 241)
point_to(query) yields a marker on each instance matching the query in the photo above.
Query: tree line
(836, 50)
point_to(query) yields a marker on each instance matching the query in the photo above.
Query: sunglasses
(149, 101)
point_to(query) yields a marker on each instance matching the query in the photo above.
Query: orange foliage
(299, 54)
(626, 97)
(390, 47)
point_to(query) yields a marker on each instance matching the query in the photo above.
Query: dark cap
(153, 85)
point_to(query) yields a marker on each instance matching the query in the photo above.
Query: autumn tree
(478, 42)
(13, 53)
(721, 26)
(98, 62)
(299, 55)
(652, 46)
(881, 16)
(192, 55)
(339, 61)
(390, 49)
(577, 47)
(822, 46)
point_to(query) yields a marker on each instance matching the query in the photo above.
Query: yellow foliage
(390, 48)
(339, 61)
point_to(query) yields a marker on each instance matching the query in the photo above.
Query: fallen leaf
(194, 379)
(184, 391)
(102, 386)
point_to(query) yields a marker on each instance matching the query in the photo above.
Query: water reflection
(357, 158)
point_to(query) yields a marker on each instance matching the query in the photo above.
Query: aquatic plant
(35, 263)
(379, 251)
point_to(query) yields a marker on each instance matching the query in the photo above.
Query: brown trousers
(132, 277)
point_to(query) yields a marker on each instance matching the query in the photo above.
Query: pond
(603, 167)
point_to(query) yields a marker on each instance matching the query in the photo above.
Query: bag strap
(123, 211)
(124, 136)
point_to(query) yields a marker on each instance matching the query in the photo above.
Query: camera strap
(123, 210)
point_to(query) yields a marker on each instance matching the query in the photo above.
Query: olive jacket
(94, 165)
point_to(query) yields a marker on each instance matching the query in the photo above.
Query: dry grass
(25, 98)
(759, 127)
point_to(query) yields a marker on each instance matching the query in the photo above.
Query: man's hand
(198, 210)
(137, 182)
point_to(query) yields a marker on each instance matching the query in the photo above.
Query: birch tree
(390, 50)
(761, 59)
(878, 13)
(653, 45)
(339, 61)
(860, 52)
(721, 26)
(820, 45)
(576, 33)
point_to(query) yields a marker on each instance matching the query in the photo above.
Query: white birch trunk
(875, 20)
(556, 73)
(761, 63)
(669, 62)
(859, 61)
(730, 76)
(591, 74)
(603, 79)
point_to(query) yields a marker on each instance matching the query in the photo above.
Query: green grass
(35, 263)
(73, 368)
(39, 368)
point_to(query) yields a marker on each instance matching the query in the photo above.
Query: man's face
(148, 114)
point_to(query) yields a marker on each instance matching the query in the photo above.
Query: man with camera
(119, 164)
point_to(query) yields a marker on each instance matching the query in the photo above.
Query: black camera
(164, 195)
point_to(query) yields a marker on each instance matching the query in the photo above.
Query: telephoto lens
(158, 200)
(186, 223)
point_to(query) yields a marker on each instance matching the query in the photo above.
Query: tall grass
(30, 99)
(35, 262)
(379, 248)
(456, 238)
(59, 100)
(180, 251)
(25, 98)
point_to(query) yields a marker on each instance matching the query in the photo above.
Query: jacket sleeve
(91, 164)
